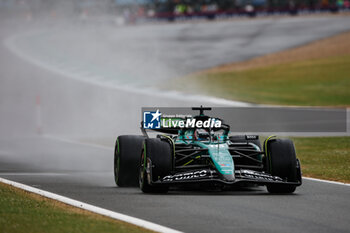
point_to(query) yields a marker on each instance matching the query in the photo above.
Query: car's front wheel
(126, 160)
(281, 161)
(155, 163)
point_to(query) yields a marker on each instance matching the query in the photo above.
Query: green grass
(21, 211)
(319, 82)
(324, 157)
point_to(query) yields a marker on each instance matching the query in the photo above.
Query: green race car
(205, 156)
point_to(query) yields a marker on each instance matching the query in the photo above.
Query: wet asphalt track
(88, 177)
(75, 109)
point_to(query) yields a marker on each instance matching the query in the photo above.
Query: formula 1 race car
(205, 156)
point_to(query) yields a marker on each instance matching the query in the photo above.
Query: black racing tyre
(160, 154)
(281, 161)
(127, 159)
(243, 139)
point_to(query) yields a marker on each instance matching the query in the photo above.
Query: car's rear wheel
(281, 161)
(127, 159)
(156, 162)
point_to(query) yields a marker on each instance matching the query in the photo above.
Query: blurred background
(75, 74)
(82, 68)
(132, 11)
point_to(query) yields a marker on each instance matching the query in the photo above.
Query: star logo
(156, 115)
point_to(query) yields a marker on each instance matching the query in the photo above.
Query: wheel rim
(116, 166)
(141, 173)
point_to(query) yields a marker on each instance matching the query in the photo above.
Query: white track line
(95, 209)
(326, 181)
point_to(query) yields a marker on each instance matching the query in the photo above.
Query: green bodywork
(218, 151)
(221, 157)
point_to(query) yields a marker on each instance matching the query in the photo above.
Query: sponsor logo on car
(258, 175)
(188, 175)
(225, 165)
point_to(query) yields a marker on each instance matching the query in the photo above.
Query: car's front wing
(212, 176)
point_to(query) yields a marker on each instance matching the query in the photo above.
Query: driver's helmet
(201, 135)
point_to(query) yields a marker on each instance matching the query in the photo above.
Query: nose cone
(230, 177)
